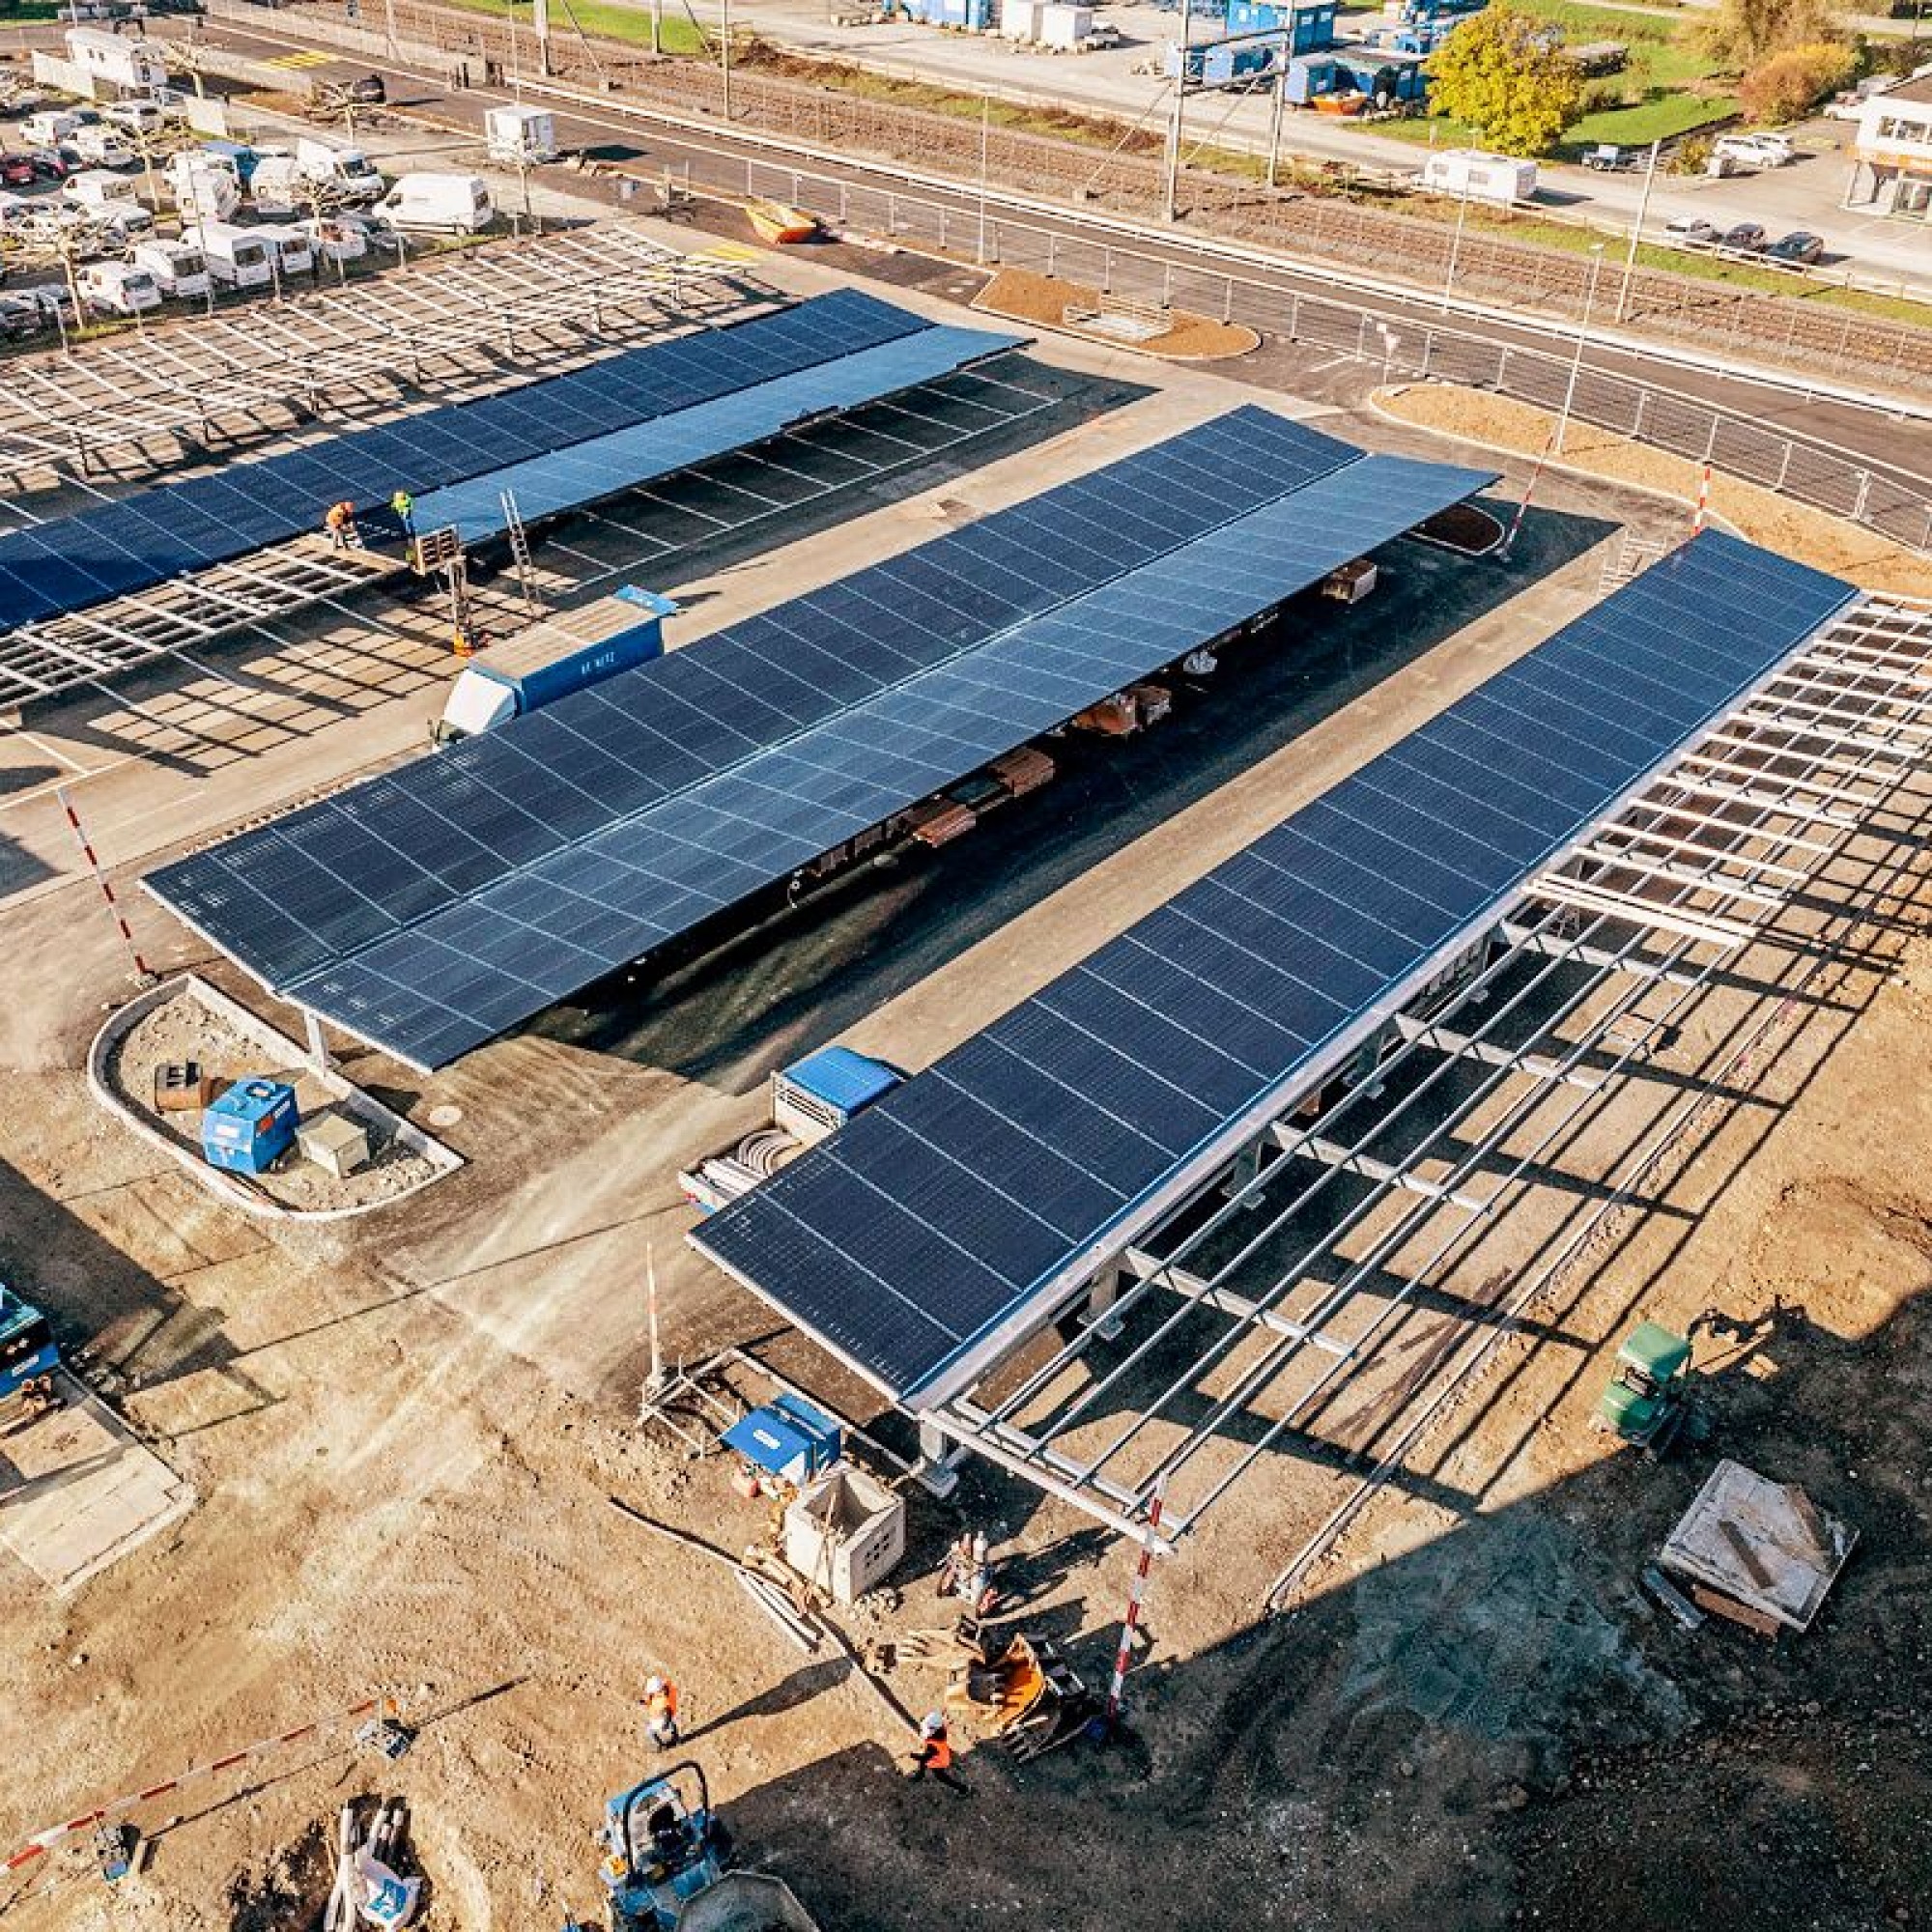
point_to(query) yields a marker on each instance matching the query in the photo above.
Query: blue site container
(250, 1127)
(1313, 28)
(788, 1438)
(1216, 63)
(26, 1343)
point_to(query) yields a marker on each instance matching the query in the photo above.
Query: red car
(18, 171)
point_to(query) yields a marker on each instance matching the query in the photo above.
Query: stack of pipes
(367, 1890)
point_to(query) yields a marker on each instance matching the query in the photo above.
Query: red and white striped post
(1136, 1590)
(106, 886)
(42, 1842)
(1703, 509)
(1528, 491)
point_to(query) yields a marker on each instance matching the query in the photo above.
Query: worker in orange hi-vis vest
(340, 524)
(661, 1712)
(933, 1754)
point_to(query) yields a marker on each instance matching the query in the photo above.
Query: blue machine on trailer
(27, 1347)
(787, 1439)
(250, 1127)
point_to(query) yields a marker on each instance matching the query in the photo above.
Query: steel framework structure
(1242, 1295)
(465, 322)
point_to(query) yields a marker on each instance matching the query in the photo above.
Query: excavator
(666, 1861)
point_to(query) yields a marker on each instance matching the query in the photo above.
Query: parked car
(1746, 239)
(51, 165)
(1606, 157)
(1755, 151)
(1798, 245)
(18, 171)
(22, 316)
(1689, 231)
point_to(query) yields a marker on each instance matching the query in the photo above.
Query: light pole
(985, 142)
(725, 51)
(1455, 248)
(1636, 232)
(1583, 335)
(1174, 128)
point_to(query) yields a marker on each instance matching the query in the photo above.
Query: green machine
(1649, 1398)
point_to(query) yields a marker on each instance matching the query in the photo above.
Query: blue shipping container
(1313, 28)
(250, 1127)
(1216, 63)
(589, 664)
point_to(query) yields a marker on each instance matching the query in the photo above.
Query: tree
(1507, 76)
(1791, 82)
(1747, 32)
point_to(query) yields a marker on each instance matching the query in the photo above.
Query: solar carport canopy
(673, 403)
(432, 908)
(951, 1220)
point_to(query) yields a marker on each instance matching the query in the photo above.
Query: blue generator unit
(787, 1439)
(26, 1344)
(250, 1127)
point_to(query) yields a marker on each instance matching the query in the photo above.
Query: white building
(1891, 173)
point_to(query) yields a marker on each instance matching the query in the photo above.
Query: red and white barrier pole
(1131, 1621)
(1528, 491)
(101, 880)
(1697, 521)
(42, 1842)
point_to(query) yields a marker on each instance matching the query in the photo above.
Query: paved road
(1900, 451)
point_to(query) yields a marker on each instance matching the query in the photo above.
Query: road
(1898, 451)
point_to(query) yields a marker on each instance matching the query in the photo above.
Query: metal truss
(1195, 1328)
(456, 323)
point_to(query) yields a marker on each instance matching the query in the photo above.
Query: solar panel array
(945, 1214)
(140, 541)
(431, 908)
(546, 486)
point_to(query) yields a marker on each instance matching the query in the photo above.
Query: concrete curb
(286, 1052)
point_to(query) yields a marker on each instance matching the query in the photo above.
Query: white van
(292, 247)
(50, 127)
(1470, 174)
(117, 288)
(205, 188)
(95, 190)
(237, 258)
(103, 147)
(336, 238)
(446, 204)
(135, 117)
(179, 269)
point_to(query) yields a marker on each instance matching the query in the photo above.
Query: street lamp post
(1455, 249)
(1637, 232)
(1174, 126)
(1582, 336)
(726, 48)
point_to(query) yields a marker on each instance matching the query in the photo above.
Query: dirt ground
(404, 1430)
(1027, 297)
(1776, 522)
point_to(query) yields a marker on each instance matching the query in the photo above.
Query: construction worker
(340, 524)
(661, 1712)
(933, 1754)
(404, 505)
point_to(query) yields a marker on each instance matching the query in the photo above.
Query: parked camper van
(1472, 175)
(443, 204)
(136, 66)
(237, 258)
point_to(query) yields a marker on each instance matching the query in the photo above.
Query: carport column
(1098, 1313)
(318, 1047)
(937, 1457)
(1245, 1171)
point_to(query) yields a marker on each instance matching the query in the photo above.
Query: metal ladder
(1634, 557)
(520, 549)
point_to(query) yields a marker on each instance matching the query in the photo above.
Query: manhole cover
(444, 1116)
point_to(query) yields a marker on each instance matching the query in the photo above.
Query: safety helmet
(652, 1686)
(935, 1722)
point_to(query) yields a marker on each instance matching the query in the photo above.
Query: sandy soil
(1026, 297)
(1759, 514)
(183, 1029)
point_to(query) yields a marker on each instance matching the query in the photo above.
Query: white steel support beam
(1371, 1167)
(1462, 1046)
(1150, 1267)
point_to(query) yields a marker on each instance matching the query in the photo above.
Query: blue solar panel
(948, 1211)
(133, 545)
(447, 827)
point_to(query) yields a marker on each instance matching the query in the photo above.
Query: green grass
(609, 21)
(1655, 93)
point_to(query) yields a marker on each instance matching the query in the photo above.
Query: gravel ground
(183, 1028)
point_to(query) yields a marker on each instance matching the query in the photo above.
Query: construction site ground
(401, 1431)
